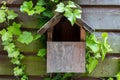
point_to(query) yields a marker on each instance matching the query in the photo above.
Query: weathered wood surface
(81, 2)
(82, 34)
(35, 66)
(113, 40)
(8, 77)
(102, 18)
(13, 1)
(65, 57)
(109, 67)
(98, 2)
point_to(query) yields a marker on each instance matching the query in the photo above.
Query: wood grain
(98, 2)
(102, 18)
(65, 57)
(35, 66)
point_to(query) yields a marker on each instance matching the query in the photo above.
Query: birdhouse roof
(53, 21)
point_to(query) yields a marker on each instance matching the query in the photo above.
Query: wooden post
(82, 34)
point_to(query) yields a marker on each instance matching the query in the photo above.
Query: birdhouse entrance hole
(64, 31)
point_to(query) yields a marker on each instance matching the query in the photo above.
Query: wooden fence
(102, 15)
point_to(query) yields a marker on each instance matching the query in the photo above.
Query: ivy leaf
(56, 1)
(24, 77)
(41, 2)
(21, 56)
(18, 71)
(11, 14)
(27, 7)
(48, 13)
(118, 76)
(15, 61)
(42, 52)
(71, 17)
(15, 29)
(25, 37)
(38, 9)
(6, 36)
(36, 36)
(112, 79)
(10, 47)
(71, 4)
(92, 65)
(14, 54)
(2, 16)
(60, 8)
(77, 13)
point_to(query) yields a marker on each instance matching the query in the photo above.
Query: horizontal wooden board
(81, 2)
(102, 18)
(13, 1)
(96, 17)
(98, 2)
(113, 40)
(107, 68)
(35, 66)
(9, 77)
(65, 57)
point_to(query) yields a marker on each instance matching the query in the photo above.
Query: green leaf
(56, 1)
(24, 77)
(60, 8)
(21, 56)
(10, 47)
(66, 75)
(77, 13)
(118, 76)
(110, 78)
(25, 37)
(71, 17)
(36, 36)
(14, 29)
(48, 13)
(91, 66)
(11, 14)
(14, 54)
(41, 2)
(26, 6)
(18, 71)
(2, 16)
(71, 4)
(38, 9)
(42, 52)
(6, 36)
(15, 61)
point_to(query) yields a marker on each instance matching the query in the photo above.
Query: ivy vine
(8, 34)
(96, 49)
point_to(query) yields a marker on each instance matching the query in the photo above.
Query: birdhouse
(65, 44)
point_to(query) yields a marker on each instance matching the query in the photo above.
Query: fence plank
(13, 1)
(35, 66)
(107, 68)
(113, 40)
(102, 18)
(98, 2)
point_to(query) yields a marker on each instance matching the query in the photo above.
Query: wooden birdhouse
(65, 44)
